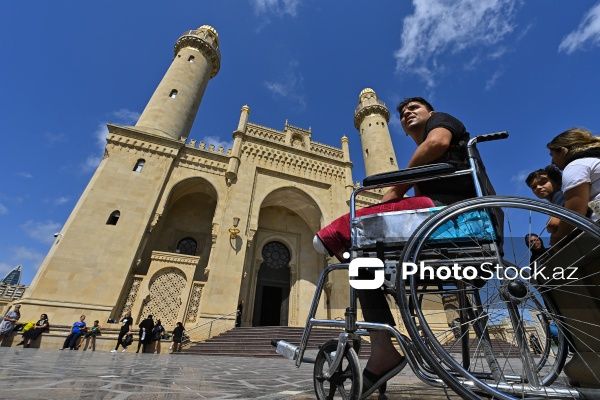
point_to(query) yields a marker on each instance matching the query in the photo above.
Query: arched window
(114, 218)
(173, 93)
(191, 59)
(139, 165)
(187, 246)
(276, 255)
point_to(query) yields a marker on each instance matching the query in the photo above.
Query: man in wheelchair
(440, 138)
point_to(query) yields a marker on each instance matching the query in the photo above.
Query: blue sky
(68, 67)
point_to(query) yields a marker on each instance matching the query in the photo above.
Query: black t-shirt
(127, 322)
(460, 187)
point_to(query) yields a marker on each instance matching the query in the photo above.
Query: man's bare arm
(431, 149)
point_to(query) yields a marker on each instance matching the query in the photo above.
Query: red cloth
(336, 235)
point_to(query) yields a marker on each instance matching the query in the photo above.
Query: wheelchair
(470, 330)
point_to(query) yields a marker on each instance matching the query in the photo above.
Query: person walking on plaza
(32, 334)
(177, 337)
(126, 322)
(157, 333)
(145, 338)
(10, 319)
(76, 330)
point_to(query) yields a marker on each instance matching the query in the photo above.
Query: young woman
(577, 153)
(178, 337)
(126, 322)
(36, 331)
(157, 333)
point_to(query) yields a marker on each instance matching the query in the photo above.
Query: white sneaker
(124, 350)
(113, 351)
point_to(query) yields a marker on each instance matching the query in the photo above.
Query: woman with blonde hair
(577, 153)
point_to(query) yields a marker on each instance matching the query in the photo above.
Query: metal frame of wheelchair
(418, 352)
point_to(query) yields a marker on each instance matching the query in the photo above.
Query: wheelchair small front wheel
(345, 382)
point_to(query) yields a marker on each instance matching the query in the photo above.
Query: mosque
(185, 231)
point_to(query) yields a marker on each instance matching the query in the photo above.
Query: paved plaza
(54, 374)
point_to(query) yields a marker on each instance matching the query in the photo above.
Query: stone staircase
(499, 346)
(256, 341)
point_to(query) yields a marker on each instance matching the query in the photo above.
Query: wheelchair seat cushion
(336, 235)
(397, 226)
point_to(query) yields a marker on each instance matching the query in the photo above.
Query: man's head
(149, 316)
(414, 113)
(545, 182)
(533, 241)
(82, 318)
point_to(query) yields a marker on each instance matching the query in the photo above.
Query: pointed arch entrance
(271, 302)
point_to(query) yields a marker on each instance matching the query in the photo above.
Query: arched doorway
(271, 302)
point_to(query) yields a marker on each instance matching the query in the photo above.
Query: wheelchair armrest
(408, 174)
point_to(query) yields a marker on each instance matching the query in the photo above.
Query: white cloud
(587, 31)
(490, 83)
(61, 200)
(439, 28)
(26, 175)
(217, 142)
(52, 138)
(41, 231)
(27, 254)
(5, 269)
(289, 86)
(126, 116)
(123, 117)
(278, 7)
(3, 209)
(519, 177)
(90, 163)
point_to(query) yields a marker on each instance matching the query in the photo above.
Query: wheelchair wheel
(345, 382)
(475, 325)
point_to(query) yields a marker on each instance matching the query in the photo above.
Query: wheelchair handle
(489, 136)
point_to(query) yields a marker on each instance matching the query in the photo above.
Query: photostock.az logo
(364, 262)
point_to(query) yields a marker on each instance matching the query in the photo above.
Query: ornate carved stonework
(194, 303)
(164, 299)
(213, 55)
(132, 292)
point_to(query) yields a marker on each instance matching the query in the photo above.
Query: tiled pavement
(54, 374)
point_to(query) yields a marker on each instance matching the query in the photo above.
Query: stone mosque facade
(185, 231)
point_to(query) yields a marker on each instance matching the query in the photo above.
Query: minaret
(173, 106)
(371, 118)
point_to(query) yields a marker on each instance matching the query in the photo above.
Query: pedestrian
(91, 335)
(238, 316)
(76, 330)
(33, 333)
(157, 333)
(9, 321)
(535, 344)
(145, 333)
(126, 322)
(177, 337)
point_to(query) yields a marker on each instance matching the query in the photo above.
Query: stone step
(256, 341)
